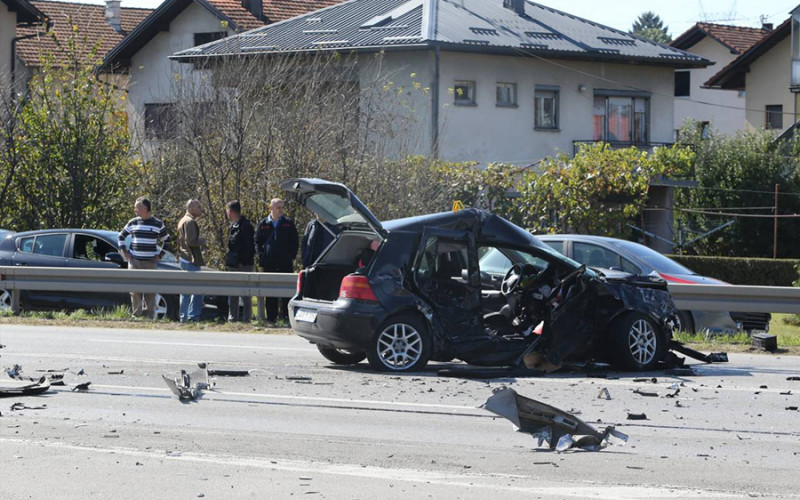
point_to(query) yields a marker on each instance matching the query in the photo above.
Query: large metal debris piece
(188, 386)
(560, 430)
(38, 387)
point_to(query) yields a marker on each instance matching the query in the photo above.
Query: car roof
(587, 237)
(95, 232)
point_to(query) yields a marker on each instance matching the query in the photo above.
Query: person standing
(316, 238)
(239, 257)
(276, 244)
(143, 252)
(191, 257)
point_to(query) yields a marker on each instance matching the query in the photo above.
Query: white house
(174, 26)
(724, 110)
(769, 73)
(14, 13)
(510, 80)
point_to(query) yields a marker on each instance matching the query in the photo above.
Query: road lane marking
(442, 478)
(118, 359)
(190, 344)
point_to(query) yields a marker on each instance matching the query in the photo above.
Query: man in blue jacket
(276, 245)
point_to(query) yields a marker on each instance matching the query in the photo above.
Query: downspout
(435, 105)
(14, 56)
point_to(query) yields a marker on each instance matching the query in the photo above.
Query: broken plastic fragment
(43, 385)
(604, 394)
(14, 371)
(637, 416)
(82, 387)
(564, 443)
(183, 386)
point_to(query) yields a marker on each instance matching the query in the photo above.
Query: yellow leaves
(223, 24)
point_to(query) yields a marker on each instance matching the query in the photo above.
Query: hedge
(743, 270)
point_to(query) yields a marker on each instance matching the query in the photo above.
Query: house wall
(487, 133)
(153, 76)
(768, 82)
(728, 116)
(8, 30)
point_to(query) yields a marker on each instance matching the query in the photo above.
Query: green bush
(743, 270)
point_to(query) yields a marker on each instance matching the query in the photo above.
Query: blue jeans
(191, 305)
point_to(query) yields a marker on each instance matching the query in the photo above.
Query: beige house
(14, 14)
(722, 110)
(769, 74)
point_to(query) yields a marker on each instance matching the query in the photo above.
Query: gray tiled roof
(465, 25)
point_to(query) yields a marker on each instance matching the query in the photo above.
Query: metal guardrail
(14, 278)
(761, 299)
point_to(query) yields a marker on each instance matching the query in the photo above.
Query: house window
(621, 118)
(682, 82)
(545, 105)
(464, 93)
(774, 117)
(204, 38)
(160, 121)
(506, 95)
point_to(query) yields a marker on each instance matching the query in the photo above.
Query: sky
(678, 15)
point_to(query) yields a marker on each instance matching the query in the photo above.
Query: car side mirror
(115, 257)
(616, 268)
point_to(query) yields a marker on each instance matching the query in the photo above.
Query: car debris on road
(187, 386)
(38, 387)
(558, 429)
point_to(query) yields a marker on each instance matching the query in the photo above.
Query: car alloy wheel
(642, 342)
(5, 300)
(161, 307)
(401, 344)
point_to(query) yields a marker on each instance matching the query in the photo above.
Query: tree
(596, 192)
(736, 176)
(67, 161)
(650, 26)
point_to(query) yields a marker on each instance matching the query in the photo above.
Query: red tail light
(300, 277)
(356, 286)
(674, 279)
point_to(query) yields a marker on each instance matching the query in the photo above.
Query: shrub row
(743, 270)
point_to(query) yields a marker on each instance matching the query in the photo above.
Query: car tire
(340, 356)
(638, 343)
(401, 344)
(167, 307)
(686, 322)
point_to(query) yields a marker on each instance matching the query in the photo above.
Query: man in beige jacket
(191, 257)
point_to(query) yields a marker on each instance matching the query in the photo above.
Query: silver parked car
(627, 256)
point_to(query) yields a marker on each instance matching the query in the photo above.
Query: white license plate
(307, 315)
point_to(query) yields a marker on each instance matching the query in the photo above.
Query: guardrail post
(15, 301)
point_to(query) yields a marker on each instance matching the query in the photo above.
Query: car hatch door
(334, 203)
(445, 272)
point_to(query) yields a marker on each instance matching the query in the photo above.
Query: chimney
(255, 7)
(114, 14)
(767, 26)
(518, 6)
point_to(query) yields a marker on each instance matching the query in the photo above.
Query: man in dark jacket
(239, 257)
(276, 245)
(318, 235)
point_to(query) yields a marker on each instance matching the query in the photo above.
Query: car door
(41, 250)
(89, 251)
(446, 275)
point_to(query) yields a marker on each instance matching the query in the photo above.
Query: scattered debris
(604, 394)
(637, 416)
(763, 387)
(14, 371)
(82, 387)
(674, 386)
(297, 378)
(651, 380)
(714, 357)
(22, 406)
(39, 387)
(559, 429)
(794, 379)
(674, 394)
(787, 393)
(228, 373)
(765, 342)
(791, 408)
(182, 385)
(645, 393)
(120, 372)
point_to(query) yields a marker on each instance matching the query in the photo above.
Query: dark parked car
(430, 293)
(631, 257)
(75, 248)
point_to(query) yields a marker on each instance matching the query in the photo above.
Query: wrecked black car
(465, 285)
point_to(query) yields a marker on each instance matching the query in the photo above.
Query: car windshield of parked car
(658, 261)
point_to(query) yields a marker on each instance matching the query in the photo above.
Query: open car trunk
(323, 279)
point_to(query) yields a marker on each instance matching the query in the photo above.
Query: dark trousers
(277, 307)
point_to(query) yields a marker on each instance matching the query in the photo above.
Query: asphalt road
(300, 427)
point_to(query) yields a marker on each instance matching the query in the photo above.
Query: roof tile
(737, 38)
(91, 26)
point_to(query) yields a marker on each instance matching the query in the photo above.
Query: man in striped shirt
(143, 253)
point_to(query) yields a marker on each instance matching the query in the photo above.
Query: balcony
(644, 146)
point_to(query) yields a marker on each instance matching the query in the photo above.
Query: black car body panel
(428, 266)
